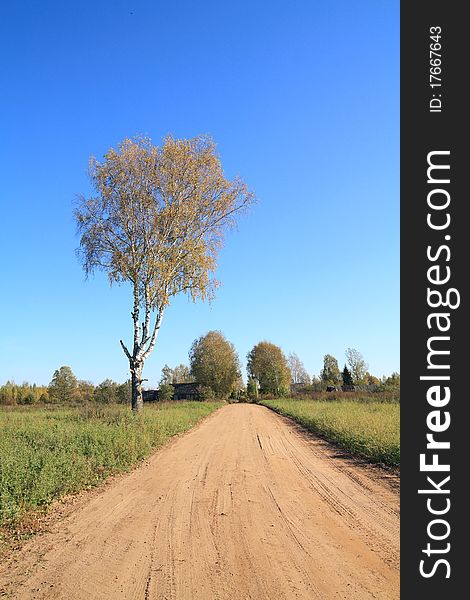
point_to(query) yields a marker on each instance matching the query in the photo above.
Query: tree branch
(154, 334)
(126, 351)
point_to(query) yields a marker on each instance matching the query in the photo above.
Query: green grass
(370, 429)
(48, 452)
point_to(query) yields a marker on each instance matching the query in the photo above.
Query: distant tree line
(12, 393)
(64, 388)
(355, 374)
(214, 367)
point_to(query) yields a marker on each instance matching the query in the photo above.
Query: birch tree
(357, 365)
(180, 374)
(298, 372)
(157, 221)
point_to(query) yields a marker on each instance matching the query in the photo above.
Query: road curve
(242, 507)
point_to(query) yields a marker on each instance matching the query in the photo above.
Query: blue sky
(303, 101)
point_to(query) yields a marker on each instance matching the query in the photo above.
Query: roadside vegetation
(51, 451)
(69, 435)
(362, 426)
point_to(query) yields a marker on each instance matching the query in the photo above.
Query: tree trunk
(136, 383)
(140, 353)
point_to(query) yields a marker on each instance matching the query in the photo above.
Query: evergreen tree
(347, 377)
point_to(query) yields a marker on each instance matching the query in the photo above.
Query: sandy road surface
(242, 507)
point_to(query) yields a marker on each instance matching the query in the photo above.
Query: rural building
(186, 391)
(150, 395)
(296, 388)
(182, 391)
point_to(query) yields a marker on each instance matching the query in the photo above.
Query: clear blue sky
(303, 101)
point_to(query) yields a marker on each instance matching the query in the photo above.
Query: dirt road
(242, 507)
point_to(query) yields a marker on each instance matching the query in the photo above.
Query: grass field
(371, 429)
(48, 452)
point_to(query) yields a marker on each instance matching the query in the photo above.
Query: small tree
(63, 386)
(28, 398)
(268, 365)
(252, 389)
(347, 377)
(298, 372)
(167, 375)
(372, 379)
(214, 364)
(180, 374)
(157, 221)
(166, 391)
(8, 394)
(357, 366)
(392, 382)
(44, 398)
(123, 392)
(85, 391)
(206, 393)
(330, 374)
(317, 385)
(106, 392)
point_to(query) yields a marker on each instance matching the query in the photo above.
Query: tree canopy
(157, 221)
(330, 374)
(298, 371)
(180, 374)
(166, 391)
(347, 377)
(357, 366)
(63, 385)
(215, 364)
(108, 391)
(268, 365)
(392, 382)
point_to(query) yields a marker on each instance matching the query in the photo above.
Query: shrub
(252, 389)
(206, 393)
(166, 392)
(27, 399)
